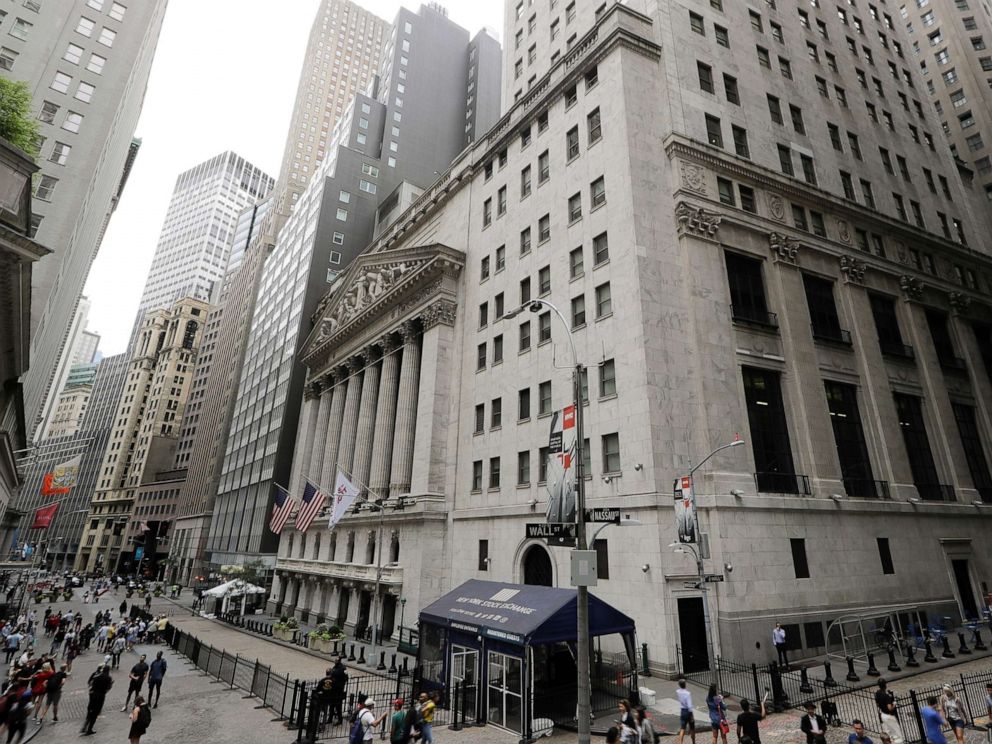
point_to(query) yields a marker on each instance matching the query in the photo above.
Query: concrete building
(950, 41)
(407, 126)
(145, 431)
(63, 541)
(18, 254)
(87, 64)
(733, 251)
(192, 251)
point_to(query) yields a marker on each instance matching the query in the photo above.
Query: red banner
(43, 517)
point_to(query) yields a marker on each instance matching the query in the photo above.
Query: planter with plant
(286, 628)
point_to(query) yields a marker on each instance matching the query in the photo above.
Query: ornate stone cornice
(697, 221)
(441, 312)
(783, 248)
(912, 288)
(960, 302)
(853, 269)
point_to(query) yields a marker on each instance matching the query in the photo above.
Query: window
(60, 153)
(544, 229)
(578, 311)
(611, 453)
(725, 189)
(543, 167)
(544, 398)
(525, 241)
(785, 160)
(72, 121)
(705, 73)
(604, 301)
(483, 555)
(523, 404)
(849, 438)
(544, 280)
(594, 126)
(46, 185)
(714, 135)
(607, 378)
(730, 89)
(800, 564)
(84, 92)
(747, 290)
(769, 432)
(575, 268)
(572, 143)
(597, 192)
(496, 413)
(909, 410)
(740, 141)
(477, 475)
(774, 109)
(796, 114)
(61, 82)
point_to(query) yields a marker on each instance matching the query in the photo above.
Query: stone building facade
(713, 287)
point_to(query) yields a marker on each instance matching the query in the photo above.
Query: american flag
(282, 507)
(313, 502)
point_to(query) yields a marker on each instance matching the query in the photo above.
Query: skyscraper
(87, 64)
(724, 208)
(195, 240)
(389, 145)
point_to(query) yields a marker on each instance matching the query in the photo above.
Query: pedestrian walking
(156, 673)
(687, 723)
(813, 725)
(53, 694)
(141, 718)
(747, 722)
(137, 677)
(952, 708)
(933, 722)
(780, 642)
(888, 713)
(718, 714)
(859, 736)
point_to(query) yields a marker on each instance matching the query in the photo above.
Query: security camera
(728, 567)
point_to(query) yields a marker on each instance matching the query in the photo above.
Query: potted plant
(285, 628)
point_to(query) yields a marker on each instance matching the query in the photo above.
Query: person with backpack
(141, 718)
(363, 729)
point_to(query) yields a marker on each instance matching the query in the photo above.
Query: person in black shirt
(747, 722)
(100, 685)
(137, 677)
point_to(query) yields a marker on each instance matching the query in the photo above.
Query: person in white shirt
(686, 720)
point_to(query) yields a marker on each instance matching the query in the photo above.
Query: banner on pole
(43, 517)
(685, 510)
(562, 451)
(62, 478)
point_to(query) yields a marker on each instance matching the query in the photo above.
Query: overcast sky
(224, 78)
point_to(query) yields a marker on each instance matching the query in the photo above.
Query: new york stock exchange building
(857, 374)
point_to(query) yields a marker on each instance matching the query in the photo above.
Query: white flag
(344, 496)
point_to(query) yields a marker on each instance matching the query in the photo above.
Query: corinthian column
(366, 418)
(304, 437)
(334, 431)
(318, 452)
(406, 412)
(349, 422)
(385, 415)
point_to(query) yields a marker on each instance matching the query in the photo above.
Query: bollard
(947, 654)
(977, 641)
(361, 655)
(911, 656)
(893, 666)
(828, 678)
(392, 664)
(963, 648)
(804, 686)
(929, 655)
(852, 676)
(456, 724)
(381, 666)
(872, 670)
(351, 656)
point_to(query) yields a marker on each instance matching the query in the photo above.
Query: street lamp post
(584, 685)
(697, 554)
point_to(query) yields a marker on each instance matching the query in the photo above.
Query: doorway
(503, 691)
(465, 671)
(692, 633)
(537, 567)
(962, 578)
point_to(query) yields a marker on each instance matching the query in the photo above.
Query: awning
(520, 613)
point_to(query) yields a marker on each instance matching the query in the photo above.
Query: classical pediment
(377, 286)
